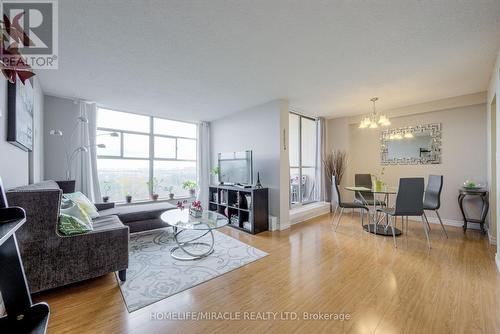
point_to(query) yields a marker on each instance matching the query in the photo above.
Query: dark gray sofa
(138, 217)
(51, 260)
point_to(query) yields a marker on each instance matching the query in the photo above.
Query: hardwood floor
(453, 288)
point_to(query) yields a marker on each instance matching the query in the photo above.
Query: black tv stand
(232, 202)
(242, 186)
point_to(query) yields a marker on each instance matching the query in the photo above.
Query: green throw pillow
(69, 225)
(72, 209)
(84, 203)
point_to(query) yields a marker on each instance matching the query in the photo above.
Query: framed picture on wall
(20, 102)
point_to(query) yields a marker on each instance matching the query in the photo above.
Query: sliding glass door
(302, 152)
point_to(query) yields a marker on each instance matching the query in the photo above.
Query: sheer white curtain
(320, 156)
(203, 162)
(87, 180)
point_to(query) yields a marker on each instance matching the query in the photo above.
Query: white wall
(494, 90)
(258, 129)
(36, 157)
(18, 167)
(337, 134)
(60, 114)
(463, 151)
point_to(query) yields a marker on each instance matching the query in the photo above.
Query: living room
(324, 166)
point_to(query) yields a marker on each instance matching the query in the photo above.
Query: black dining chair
(409, 203)
(367, 198)
(344, 205)
(432, 198)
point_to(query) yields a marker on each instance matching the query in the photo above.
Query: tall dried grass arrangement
(335, 163)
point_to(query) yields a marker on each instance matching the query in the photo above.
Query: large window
(302, 150)
(142, 153)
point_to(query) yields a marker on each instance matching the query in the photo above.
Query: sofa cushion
(69, 225)
(136, 212)
(83, 202)
(109, 222)
(72, 209)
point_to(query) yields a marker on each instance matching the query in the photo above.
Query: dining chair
(344, 205)
(409, 203)
(365, 180)
(432, 198)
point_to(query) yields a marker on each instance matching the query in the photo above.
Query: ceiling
(202, 60)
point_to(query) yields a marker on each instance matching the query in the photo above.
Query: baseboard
(284, 226)
(309, 211)
(453, 222)
(497, 260)
(492, 238)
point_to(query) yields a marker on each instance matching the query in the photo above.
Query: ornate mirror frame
(434, 156)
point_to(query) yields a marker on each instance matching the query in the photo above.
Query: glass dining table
(376, 226)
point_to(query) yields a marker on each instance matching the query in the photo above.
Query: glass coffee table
(182, 222)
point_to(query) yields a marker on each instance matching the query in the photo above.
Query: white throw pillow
(84, 203)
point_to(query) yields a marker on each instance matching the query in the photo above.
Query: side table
(483, 194)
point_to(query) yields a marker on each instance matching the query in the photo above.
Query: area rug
(153, 274)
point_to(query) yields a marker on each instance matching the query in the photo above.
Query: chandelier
(373, 120)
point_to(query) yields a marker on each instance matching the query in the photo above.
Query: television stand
(246, 208)
(242, 186)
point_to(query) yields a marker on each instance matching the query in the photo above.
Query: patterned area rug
(153, 274)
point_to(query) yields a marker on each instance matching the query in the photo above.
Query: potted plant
(128, 198)
(154, 185)
(106, 185)
(191, 186)
(215, 172)
(195, 209)
(170, 190)
(377, 180)
(335, 165)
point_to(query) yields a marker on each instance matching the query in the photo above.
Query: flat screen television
(236, 168)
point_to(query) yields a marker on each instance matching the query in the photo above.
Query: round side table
(483, 194)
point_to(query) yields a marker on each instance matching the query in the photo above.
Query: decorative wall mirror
(412, 145)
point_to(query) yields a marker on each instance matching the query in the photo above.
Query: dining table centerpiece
(378, 184)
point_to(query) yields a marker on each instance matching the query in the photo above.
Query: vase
(195, 213)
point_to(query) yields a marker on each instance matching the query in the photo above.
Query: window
(141, 151)
(302, 152)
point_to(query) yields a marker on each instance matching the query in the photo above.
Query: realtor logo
(35, 24)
